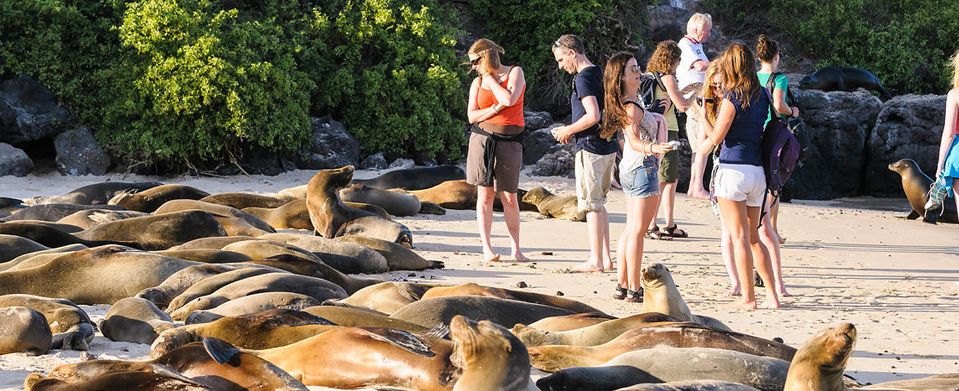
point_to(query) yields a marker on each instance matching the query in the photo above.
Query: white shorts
(741, 182)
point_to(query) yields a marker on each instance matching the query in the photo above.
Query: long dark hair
(615, 117)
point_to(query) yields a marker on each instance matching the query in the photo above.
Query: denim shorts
(642, 181)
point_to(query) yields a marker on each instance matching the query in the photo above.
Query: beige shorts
(593, 176)
(693, 129)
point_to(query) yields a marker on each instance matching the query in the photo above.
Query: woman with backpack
(740, 179)
(947, 168)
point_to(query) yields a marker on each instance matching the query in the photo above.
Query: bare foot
(783, 292)
(771, 305)
(494, 258)
(782, 240)
(519, 257)
(608, 264)
(586, 267)
(734, 291)
(741, 305)
(699, 195)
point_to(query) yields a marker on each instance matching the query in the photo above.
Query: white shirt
(692, 51)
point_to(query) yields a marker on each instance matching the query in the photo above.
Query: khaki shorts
(669, 166)
(693, 129)
(593, 175)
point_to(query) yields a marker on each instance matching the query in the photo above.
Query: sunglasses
(702, 101)
(475, 61)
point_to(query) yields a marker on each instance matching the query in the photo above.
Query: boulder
(402, 164)
(908, 127)
(839, 123)
(538, 143)
(375, 161)
(29, 111)
(559, 163)
(330, 146)
(78, 153)
(13, 161)
(536, 120)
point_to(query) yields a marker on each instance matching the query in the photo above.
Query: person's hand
(794, 111)
(562, 134)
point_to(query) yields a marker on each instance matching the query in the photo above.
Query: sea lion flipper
(912, 215)
(440, 331)
(402, 339)
(221, 351)
(168, 372)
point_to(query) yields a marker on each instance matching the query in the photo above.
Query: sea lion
(343, 255)
(472, 289)
(293, 214)
(394, 203)
(439, 311)
(70, 229)
(54, 212)
(39, 257)
(552, 358)
(135, 320)
(213, 243)
(178, 282)
(245, 200)
(916, 184)
(459, 195)
(660, 294)
(24, 330)
(160, 380)
(342, 358)
(429, 208)
(361, 317)
(843, 79)
(416, 178)
(491, 359)
(9, 206)
(551, 205)
(89, 218)
(332, 219)
(12, 246)
(570, 322)
(593, 335)
(238, 371)
(70, 325)
(271, 282)
(943, 382)
(666, 364)
(305, 267)
(819, 364)
(377, 210)
(206, 255)
(150, 199)
(210, 284)
(397, 257)
(157, 232)
(52, 237)
(100, 275)
(253, 304)
(387, 297)
(691, 385)
(262, 330)
(260, 249)
(214, 209)
(99, 193)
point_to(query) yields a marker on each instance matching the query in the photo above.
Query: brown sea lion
(215, 209)
(915, 184)
(100, 275)
(12, 246)
(552, 358)
(361, 317)
(342, 255)
(54, 212)
(210, 284)
(387, 297)
(160, 380)
(691, 385)
(260, 249)
(665, 364)
(213, 243)
(39, 257)
(471, 289)
(332, 219)
(943, 382)
(397, 257)
(261, 330)
(429, 208)
(150, 199)
(292, 193)
(9, 206)
(292, 214)
(253, 304)
(99, 193)
(394, 203)
(206, 255)
(70, 229)
(377, 210)
(491, 359)
(440, 310)
(238, 372)
(24, 331)
(660, 294)
(157, 232)
(459, 195)
(593, 335)
(70, 325)
(245, 200)
(416, 178)
(304, 267)
(178, 282)
(819, 364)
(551, 205)
(135, 320)
(570, 322)
(52, 237)
(92, 217)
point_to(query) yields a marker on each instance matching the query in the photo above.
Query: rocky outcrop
(539, 143)
(908, 127)
(559, 163)
(78, 153)
(29, 111)
(376, 161)
(330, 146)
(13, 161)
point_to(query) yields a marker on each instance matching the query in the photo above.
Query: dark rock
(538, 143)
(521, 284)
(423, 158)
(375, 161)
(330, 146)
(78, 153)
(559, 163)
(560, 293)
(13, 161)
(536, 120)
(29, 111)
(908, 127)
(402, 163)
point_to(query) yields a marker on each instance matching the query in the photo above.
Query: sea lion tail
(221, 351)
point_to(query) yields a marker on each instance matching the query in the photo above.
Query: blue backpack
(780, 152)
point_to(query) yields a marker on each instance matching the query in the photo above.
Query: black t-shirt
(589, 82)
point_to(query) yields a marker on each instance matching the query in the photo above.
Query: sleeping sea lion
(99, 193)
(343, 255)
(89, 218)
(843, 79)
(491, 359)
(593, 335)
(13, 246)
(459, 195)
(51, 237)
(691, 385)
(150, 199)
(550, 205)
(135, 320)
(387, 297)
(417, 178)
(214, 243)
(660, 294)
(916, 184)
(206, 255)
(215, 209)
(305, 267)
(361, 317)
(245, 200)
(472, 289)
(39, 257)
(570, 322)
(210, 284)
(396, 204)
(159, 380)
(253, 304)
(293, 214)
(178, 282)
(9, 206)
(397, 257)
(439, 311)
(24, 331)
(157, 232)
(54, 212)
(70, 325)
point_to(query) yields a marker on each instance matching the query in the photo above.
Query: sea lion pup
(214, 209)
(345, 256)
(396, 204)
(361, 317)
(552, 358)
(245, 200)
(551, 205)
(665, 364)
(317, 288)
(397, 256)
(332, 219)
(238, 370)
(915, 184)
(471, 289)
(24, 330)
(54, 212)
(101, 275)
(253, 304)
(70, 325)
(843, 79)
(819, 364)
(692, 385)
(387, 297)
(416, 178)
(353, 357)
(52, 237)
(440, 310)
(570, 322)
(491, 359)
(158, 232)
(98, 193)
(596, 334)
(178, 282)
(262, 330)
(150, 199)
(205, 255)
(89, 218)
(12, 246)
(135, 320)
(160, 380)
(660, 294)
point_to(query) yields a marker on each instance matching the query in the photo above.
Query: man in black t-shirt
(595, 156)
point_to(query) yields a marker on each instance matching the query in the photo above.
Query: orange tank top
(508, 116)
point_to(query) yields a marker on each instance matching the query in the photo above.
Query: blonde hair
(955, 69)
(709, 94)
(738, 67)
(666, 55)
(488, 52)
(699, 22)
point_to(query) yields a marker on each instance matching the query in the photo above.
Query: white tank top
(648, 132)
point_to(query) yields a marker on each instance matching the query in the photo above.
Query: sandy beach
(848, 260)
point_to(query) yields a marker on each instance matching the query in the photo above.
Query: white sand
(896, 280)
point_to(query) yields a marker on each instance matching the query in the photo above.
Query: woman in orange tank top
(495, 154)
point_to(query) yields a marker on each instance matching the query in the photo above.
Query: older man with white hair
(692, 69)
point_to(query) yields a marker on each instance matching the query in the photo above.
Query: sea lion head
(532, 336)
(331, 180)
(484, 346)
(820, 363)
(171, 339)
(655, 275)
(902, 165)
(833, 346)
(123, 198)
(535, 195)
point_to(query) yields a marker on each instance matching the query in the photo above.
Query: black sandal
(620, 293)
(634, 296)
(656, 234)
(675, 232)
